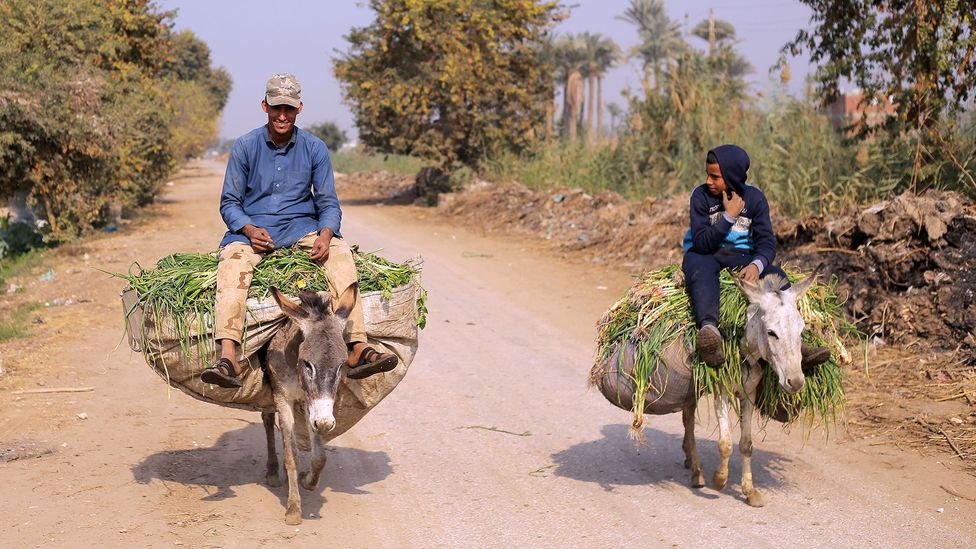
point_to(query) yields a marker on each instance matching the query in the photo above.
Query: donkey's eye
(309, 369)
(772, 334)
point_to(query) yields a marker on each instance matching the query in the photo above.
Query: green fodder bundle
(183, 287)
(656, 311)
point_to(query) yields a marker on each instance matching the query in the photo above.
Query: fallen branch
(953, 444)
(955, 493)
(838, 250)
(54, 390)
(213, 419)
(497, 430)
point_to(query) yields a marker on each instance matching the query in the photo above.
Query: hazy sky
(254, 39)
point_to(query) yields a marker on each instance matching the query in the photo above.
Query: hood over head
(734, 163)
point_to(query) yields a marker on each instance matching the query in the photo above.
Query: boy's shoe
(709, 346)
(813, 357)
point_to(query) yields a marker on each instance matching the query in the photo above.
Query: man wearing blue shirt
(278, 192)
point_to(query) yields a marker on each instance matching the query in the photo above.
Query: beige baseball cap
(283, 89)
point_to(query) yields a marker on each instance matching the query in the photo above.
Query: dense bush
(99, 103)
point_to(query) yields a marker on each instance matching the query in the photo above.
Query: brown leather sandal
(221, 374)
(371, 362)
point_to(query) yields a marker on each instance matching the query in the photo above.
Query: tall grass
(17, 322)
(357, 160)
(802, 163)
(18, 265)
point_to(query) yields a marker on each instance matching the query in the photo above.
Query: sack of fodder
(169, 318)
(645, 360)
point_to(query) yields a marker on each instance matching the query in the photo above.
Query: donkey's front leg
(293, 513)
(692, 461)
(746, 407)
(721, 476)
(271, 476)
(310, 479)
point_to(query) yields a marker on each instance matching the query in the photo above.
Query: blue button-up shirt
(288, 191)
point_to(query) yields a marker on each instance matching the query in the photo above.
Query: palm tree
(660, 38)
(724, 32)
(600, 54)
(734, 65)
(615, 112)
(590, 44)
(570, 61)
(608, 53)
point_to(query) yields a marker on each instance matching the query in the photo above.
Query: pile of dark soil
(603, 228)
(907, 264)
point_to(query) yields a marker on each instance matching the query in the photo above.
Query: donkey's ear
(800, 287)
(287, 307)
(751, 289)
(347, 301)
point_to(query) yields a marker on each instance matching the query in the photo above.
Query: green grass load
(183, 286)
(656, 310)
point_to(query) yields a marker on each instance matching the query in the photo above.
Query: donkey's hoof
(272, 480)
(755, 499)
(698, 480)
(719, 480)
(306, 480)
(293, 515)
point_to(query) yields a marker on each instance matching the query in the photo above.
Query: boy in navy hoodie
(730, 229)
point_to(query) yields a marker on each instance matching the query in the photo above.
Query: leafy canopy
(450, 81)
(921, 54)
(329, 132)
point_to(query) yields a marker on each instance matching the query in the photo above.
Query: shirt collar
(290, 142)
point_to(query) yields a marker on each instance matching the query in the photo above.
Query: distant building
(848, 109)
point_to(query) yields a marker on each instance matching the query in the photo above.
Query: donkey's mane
(773, 283)
(314, 301)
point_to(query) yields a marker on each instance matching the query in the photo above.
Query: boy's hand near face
(750, 273)
(733, 205)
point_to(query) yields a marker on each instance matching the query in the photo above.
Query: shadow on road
(615, 461)
(238, 458)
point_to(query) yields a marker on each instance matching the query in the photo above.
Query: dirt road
(491, 440)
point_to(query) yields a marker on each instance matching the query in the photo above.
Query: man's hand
(260, 239)
(734, 205)
(750, 273)
(320, 248)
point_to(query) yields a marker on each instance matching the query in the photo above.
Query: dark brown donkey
(304, 363)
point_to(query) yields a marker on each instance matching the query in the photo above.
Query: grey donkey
(772, 340)
(304, 364)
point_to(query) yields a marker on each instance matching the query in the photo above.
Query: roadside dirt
(491, 440)
(903, 267)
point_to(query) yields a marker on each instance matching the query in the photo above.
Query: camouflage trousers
(235, 269)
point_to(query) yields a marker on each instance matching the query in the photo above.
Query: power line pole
(711, 31)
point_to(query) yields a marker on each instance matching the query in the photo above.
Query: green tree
(451, 81)
(190, 62)
(921, 54)
(569, 61)
(660, 37)
(88, 116)
(329, 132)
(197, 92)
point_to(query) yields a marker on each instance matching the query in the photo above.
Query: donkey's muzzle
(324, 425)
(794, 384)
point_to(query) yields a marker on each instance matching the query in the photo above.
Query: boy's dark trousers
(701, 279)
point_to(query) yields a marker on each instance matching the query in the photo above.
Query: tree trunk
(646, 81)
(571, 104)
(589, 107)
(550, 115)
(599, 108)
